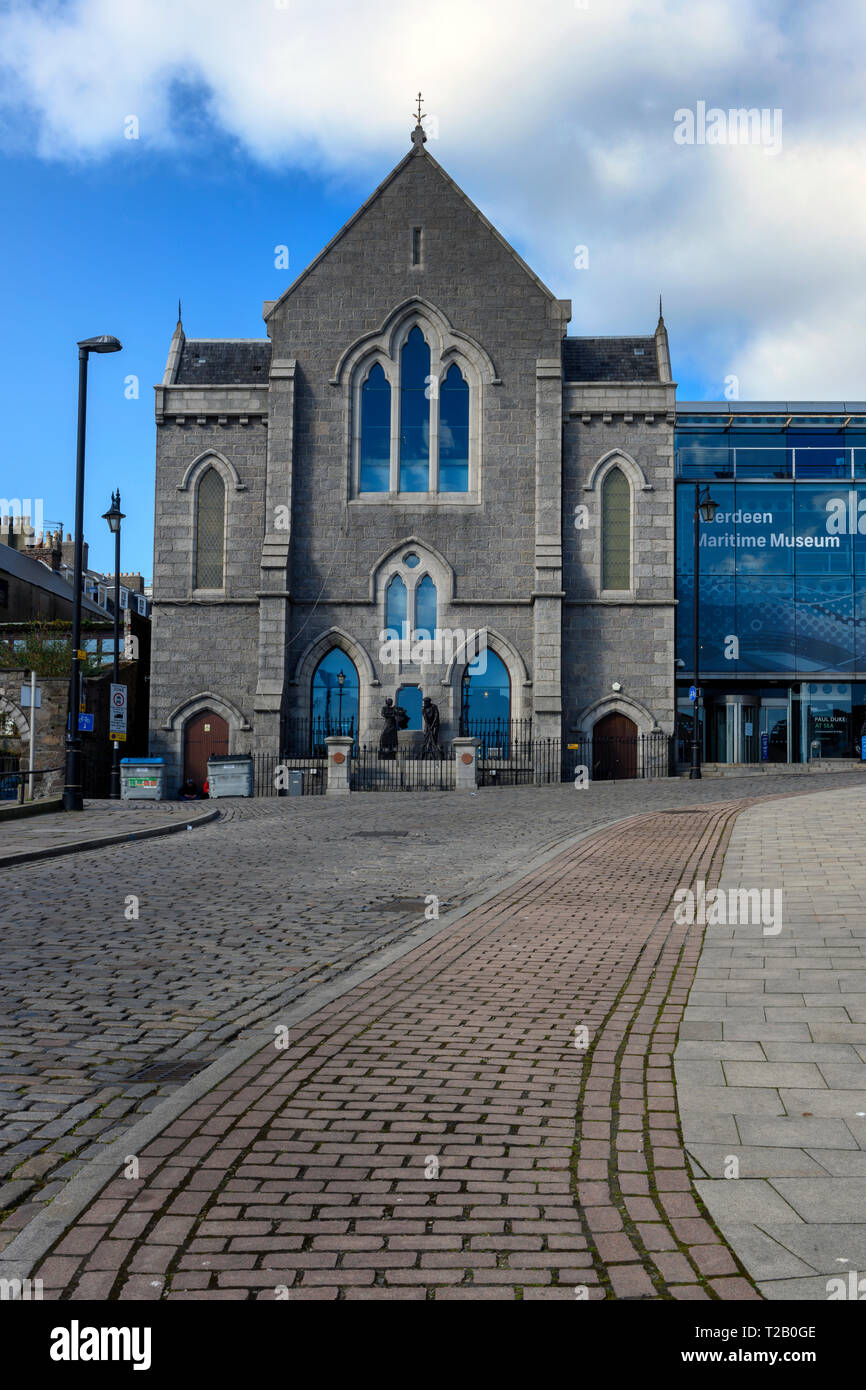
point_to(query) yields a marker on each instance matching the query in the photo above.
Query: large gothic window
(415, 414)
(376, 432)
(210, 515)
(412, 421)
(486, 700)
(616, 531)
(334, 697)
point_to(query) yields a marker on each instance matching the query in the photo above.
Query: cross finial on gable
(418, 136)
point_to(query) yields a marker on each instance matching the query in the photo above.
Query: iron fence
(618, 758)
(405, 770)
(302, 738)
(285, 775)
(499, 738)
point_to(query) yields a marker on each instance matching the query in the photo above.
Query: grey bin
(296, 783)
(142, 779)
(230, 775)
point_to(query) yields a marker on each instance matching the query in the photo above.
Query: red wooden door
(614, 747)
(205, 735)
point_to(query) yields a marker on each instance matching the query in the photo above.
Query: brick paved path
(436, 1133)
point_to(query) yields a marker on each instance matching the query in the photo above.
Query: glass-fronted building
(782, 610)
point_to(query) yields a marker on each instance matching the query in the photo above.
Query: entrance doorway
(614, 747)
(206, 735)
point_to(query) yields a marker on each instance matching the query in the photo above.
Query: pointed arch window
(415, 413)
(396, 606)
(616, 531)
(210, 519)
(425, 608)
(412, 416)
(454, 432)
(334, 698)
(376, 431)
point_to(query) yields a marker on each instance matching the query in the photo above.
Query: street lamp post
(114, 516)
(705, 508)
(341, 681)
(73, 797)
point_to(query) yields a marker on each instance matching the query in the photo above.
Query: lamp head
(114, 515)
(104, 343)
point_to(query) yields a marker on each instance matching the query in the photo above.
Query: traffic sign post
(117, 714)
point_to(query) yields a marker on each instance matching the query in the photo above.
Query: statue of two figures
(396, 717)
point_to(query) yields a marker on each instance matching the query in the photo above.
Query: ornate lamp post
(341, 681)
(705, 509)
(114, 516)
(73, 796)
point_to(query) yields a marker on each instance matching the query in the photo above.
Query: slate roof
(609, 359)
(32, 571)
(224, 362)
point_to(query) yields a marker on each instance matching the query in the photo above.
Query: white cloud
(557, 120)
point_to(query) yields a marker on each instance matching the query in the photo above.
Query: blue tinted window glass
(489, 695)
(715, 625)
(823, 542)
(717, 537)
(395, 606)
(825, 624)
(703, 454)
(425, 607)
(764, 526)
(376, 432)
(410, 697)
(414, 414)
(454, 432)
(335, 711)
(765, 623)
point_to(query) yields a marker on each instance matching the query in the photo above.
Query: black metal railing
(403, 771)
(498, 738)
(301, 738)
(284, 775)
(618, 758)
(17, 783)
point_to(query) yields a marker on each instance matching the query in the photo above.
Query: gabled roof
(32, 571)
(610, 359)
(223, 362)
(417, 152)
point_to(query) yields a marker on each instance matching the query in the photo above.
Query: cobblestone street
(105, 1017)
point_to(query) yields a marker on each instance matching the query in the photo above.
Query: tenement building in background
(420, 485)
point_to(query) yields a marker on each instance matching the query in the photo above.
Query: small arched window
(210, 526)
(425, 607)
(396, 609)
(376, 432)
(616, 531)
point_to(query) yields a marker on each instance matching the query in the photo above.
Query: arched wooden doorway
(205, 735)
(614, 747)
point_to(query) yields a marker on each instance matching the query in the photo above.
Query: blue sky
(269, 121)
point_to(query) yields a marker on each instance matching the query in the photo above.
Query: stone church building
(417, 446)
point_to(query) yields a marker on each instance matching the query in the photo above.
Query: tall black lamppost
(341, 681)
(73, 798)
(705, 508)
(114, 516)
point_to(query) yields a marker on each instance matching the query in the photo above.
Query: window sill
(416, 499)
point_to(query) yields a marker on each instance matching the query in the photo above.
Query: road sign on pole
(117, 714)
(693, 693)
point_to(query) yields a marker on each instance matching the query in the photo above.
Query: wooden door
(614, 747)
(205, 735)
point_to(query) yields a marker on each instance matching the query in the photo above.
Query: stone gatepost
(466, 763)
(339, 763)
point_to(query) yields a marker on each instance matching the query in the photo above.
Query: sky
(152, 150)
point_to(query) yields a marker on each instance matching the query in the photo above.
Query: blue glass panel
(764, 517)
(822, 463)
(703, 454)
(410, 697)
(454, 432)
(822, 542)
(415, 414)
(395, 605)
(425, 607)
(715, 623)
(765, 624)
(831, 728)
(376, 432)
(335, 711)
(717, 538)
(490, 690)
(825, 624)
(761, 461)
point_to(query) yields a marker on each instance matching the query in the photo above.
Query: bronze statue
(395, 718)
(430, 715)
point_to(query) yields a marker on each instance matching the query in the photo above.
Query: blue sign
(863, 748)
(693, 693)
(85, 723)
(765, 748)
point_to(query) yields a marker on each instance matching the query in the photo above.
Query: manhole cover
(171, 1071)
(381, 834)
